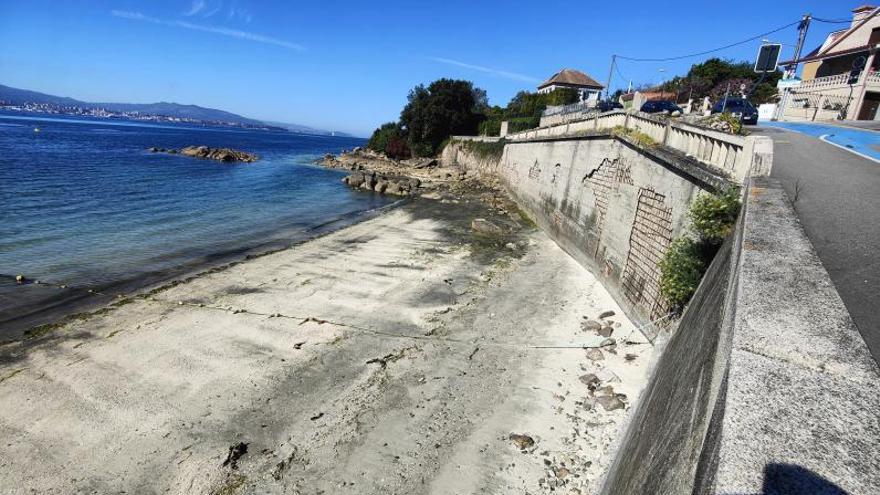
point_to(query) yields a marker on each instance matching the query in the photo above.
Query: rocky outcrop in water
(227, 155)
(371, 181)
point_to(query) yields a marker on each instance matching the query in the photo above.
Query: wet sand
(397, 355)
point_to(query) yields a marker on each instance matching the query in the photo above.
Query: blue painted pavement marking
(860, 141)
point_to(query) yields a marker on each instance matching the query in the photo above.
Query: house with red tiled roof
(588, 88)
(841, 77)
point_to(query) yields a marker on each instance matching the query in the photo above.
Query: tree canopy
(446, 107)
(711, 78)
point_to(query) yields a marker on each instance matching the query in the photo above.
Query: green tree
(390, 139)
(710, 78)
(446, 107)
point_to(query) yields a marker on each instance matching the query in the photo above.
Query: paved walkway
(865, 142)
(836, 194)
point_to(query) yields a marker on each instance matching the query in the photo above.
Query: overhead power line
(833, 21)
(725, 47)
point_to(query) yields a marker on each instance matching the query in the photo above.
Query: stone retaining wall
(613, 206)
(766, 386)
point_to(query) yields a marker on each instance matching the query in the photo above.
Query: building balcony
(839, 81)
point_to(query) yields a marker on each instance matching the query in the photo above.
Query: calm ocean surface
(85, 203)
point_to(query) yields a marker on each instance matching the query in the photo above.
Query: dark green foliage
(713, 215)
(485, 149)
(445, 108)
(390, 139)
(681, 270)
(524, 110)
(710, 78)
(712, 219)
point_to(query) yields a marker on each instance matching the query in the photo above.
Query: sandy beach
(403, 354)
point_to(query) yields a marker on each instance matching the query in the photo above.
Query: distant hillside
(302, 129)
(15, 96)
(21, 96)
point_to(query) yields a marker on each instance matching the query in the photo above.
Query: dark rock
(356, 179)
(370, 180)
(606, 314)
(606, 331)
(154, 150)
(425, 163)
(484, 226)
(590, 380)
(235, 453)
(522, 442)
(610, 402)
(381, 186)
(590, 326)
(219, 154)
(414, 183)
(595, 355)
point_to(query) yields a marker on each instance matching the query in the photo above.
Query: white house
(841, 77)
(588, 88)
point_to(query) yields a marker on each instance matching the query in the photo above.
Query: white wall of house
(587, 94)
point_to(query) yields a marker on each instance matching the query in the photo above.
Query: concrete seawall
(611, 205)
(765, 387)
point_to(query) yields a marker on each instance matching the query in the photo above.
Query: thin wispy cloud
(196, 7)
(232, 33)
(487, 70)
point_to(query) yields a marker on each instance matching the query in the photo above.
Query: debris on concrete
(236, 451)
(595, 355)
(590, 380)
(590, 326)
(610, 402)
(483, 226)
(606, 314)
(522, 442)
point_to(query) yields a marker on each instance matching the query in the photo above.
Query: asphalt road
(837, 196)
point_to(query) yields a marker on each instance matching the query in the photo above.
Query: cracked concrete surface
(383, 358)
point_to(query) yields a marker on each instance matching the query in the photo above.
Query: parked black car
(661, 106)
(738, 107)
(607, 106)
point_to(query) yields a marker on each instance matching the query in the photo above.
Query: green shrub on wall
(681, 270)
(712, 217)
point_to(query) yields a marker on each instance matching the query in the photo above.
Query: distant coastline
(22, 101)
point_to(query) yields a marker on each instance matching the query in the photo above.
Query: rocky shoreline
(430, 178)
(226, 155)
(424, 177)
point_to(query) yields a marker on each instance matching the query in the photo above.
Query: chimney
(860, 13)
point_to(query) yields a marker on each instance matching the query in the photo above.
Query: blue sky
(349, 65)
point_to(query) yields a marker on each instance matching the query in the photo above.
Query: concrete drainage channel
(765, 386)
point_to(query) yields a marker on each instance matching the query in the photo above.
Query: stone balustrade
(737, 156)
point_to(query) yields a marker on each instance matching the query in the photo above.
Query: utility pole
(610, 72)
(791, 69)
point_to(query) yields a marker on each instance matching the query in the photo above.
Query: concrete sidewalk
(835, 194)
